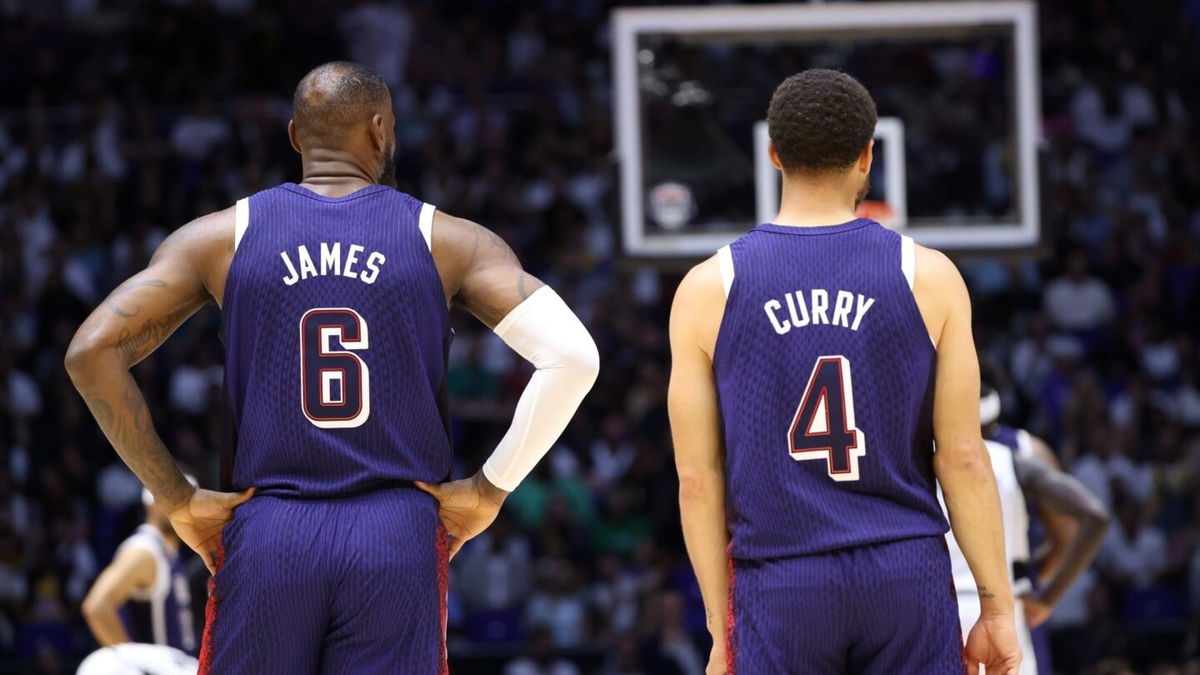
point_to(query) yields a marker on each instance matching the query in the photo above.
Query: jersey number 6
(823, 426)
(335, 384)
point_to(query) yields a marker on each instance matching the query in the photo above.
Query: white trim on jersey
(908, 266)
(908, 260)
(725, 262)
(241, 220)
(425, 222)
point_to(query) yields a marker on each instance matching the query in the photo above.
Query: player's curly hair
(820, 120)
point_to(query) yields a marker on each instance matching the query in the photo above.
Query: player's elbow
(96, 607)
(578, 359)
(585, 362)
(699, 486)
(82, 354)
(965, 458)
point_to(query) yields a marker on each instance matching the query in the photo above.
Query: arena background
(119, 121)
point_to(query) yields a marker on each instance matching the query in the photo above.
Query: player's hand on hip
(466, 506)
(993, 642)
(200, 522)
(1037, 611)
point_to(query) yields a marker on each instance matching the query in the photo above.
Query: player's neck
(813, 217)
(814, 203)
(333, 173)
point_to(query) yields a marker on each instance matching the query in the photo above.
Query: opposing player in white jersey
(1023, 479)
(140, 609)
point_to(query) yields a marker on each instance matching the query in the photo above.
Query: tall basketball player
(334, 294)
(816, 361)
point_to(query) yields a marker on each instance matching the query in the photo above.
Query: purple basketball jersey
(336, 333)
(825, 378)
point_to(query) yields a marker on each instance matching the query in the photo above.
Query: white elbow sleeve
(544, 331)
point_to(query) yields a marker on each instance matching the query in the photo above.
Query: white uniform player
(1016, 539)
(138, 659)
(1016, 549)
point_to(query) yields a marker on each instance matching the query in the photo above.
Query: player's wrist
(998, 611)
(717, 629)
(488, 491)
(175, 498)
(996, 602)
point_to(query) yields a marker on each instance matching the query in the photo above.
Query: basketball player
(816, 361)
(143, 595)
(140, 608)
(334, 295)
(1027, 474)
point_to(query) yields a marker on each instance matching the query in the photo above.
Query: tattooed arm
(478, 269)
(481, 271)
(186, 272)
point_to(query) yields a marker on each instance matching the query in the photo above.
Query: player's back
(825, 376)
(336, 331)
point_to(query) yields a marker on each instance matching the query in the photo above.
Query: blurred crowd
(121, 121)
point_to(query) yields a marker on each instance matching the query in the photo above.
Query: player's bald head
(336, 98)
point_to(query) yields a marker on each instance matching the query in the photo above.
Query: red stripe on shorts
(730, 622)
(443, 576)
(210, 613)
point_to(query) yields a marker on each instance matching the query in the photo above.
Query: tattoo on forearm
(130, 429)
(136, 346)
(111, 301)
(985, 593)
(101, 411)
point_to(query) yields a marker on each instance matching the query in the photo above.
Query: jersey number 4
(335, 384)
(823, 427)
